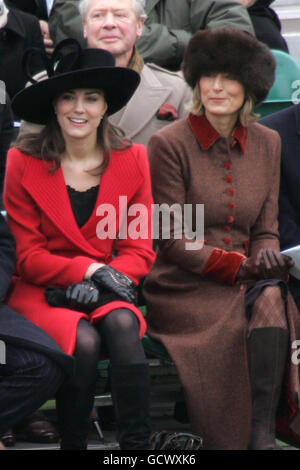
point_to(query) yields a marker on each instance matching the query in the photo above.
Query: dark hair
(49, 144)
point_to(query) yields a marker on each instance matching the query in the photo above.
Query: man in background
(167, 29)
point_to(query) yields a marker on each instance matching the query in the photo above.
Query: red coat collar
(50, 193)
(206, 134)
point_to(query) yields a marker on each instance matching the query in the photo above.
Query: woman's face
(79, 112)
(221, 94)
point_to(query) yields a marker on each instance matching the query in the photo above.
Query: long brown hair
(49, 144)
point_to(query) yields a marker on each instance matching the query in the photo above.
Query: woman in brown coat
(222, 310)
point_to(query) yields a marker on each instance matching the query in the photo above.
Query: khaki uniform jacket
(139, 118)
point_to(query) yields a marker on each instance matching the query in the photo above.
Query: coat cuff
(222, 266)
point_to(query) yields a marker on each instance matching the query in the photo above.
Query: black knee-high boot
(267, 354)
(130, 386)
(74, 406)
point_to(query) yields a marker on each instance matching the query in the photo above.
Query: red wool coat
(53, 250)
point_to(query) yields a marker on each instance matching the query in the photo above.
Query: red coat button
(226, 228)
(231, 205)
(229, 178)
(230, 191)
(229, 219)
(227, 240)
(227, 165)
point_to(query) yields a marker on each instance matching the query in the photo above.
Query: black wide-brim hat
(233, 52)
(81, 68)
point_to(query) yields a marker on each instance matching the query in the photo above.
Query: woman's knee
(87, 340)
(120, 321)
(269, 309)
(269, 298)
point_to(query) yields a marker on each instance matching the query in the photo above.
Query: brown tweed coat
(202, 322)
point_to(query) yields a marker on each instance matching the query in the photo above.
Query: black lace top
(83, 203)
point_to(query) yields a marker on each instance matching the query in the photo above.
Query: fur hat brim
(231, 52)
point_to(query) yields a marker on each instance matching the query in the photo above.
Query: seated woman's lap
(116, 334)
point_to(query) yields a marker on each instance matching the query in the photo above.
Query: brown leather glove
(248, 270)
(268, 264)
(273, 264)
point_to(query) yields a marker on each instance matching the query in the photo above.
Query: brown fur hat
(234, 52)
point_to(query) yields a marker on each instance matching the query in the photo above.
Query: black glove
(79, 298)
(56, 297)
(115, 282)
(83, 296)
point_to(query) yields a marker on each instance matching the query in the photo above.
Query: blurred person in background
(266, 23)
(18, 32)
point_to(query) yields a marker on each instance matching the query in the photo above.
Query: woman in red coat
(70, 193)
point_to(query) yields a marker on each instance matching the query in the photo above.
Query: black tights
(118, 335)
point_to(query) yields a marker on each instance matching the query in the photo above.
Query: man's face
(112, 25)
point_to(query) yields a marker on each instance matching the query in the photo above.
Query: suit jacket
(53, 250)
(139, 117)
(33, 7)
(287, 124)
(21, 32)
(15, 329)
(7, 133)
(267, 25)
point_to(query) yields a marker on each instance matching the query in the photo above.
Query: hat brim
(35, 103)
